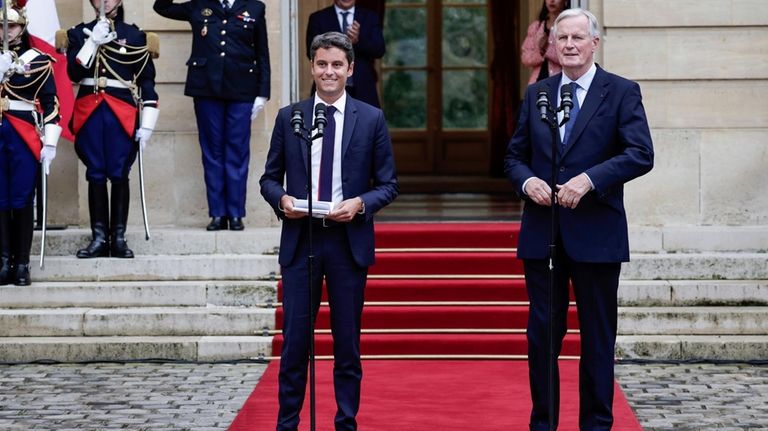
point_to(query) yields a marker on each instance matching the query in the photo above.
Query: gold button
(224, 22)
(223, 42)
(194, 63)
(223, 32)
(223, 54)
(250, 70)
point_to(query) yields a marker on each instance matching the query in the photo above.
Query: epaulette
(153, 44)
(62, 41)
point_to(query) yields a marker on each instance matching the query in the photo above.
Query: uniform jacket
(367, 171)
(38, 88)
(230, 55)
(610, 141)
(139, 63)
(369, 47)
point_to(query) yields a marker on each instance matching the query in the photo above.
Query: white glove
(148, 120)
(101, 33)
(6, 63)
(142, 137)
(51, 134)
(258, 105)
(47, 155)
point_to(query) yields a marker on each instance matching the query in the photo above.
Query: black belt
(325, 223)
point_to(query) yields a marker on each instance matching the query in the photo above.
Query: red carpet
(430, 396)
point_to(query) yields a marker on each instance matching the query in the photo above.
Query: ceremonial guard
(112, 62)
(228, 77)
(29, 132)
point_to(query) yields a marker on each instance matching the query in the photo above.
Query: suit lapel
(598, 90)
(350, 120)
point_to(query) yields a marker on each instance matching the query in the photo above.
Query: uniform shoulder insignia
(62, 41)
(153, 44)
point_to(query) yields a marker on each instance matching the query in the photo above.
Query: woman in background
(538, 51)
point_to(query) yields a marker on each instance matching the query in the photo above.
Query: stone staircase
(202, 296)
(188, 295)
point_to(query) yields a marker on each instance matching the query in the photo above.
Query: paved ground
(204, 397)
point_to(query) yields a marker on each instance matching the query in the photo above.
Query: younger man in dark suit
(363, 29)
(605, 144)
(355, 169)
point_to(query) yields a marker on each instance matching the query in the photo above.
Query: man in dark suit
(364, 30)
(228, 77)
(354, 168)
(605, 144)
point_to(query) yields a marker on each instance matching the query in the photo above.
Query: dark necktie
(225, 5)
(325, 184)
(574, 113)
(344, 23)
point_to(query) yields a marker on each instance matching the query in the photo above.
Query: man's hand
(353, 32)
(6, 64)
(346, 210)
(570, 193)
(258, 105)
(286, 205)
(539, 191)
(101, 33)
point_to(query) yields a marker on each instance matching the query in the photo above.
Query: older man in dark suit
(605, 144)
(363, 29)
(354, 168)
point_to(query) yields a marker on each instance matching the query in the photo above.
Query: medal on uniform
(206, 12)
(204, 31)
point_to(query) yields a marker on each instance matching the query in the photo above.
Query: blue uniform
(227, 69)
(108, 100)
(27, 102)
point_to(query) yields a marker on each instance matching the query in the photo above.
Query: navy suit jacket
(230, 55)
(367, 171)
(610, 141)
(369, 47)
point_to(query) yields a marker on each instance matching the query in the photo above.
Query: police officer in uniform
(112, 62)
(28, 106)
(228, 77)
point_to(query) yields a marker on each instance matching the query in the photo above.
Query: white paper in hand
(319, 208)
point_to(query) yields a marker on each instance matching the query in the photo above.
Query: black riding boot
(22, 224)
(98, 207)
(120, 200)
(5, 247)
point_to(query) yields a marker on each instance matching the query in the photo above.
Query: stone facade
(701, 65)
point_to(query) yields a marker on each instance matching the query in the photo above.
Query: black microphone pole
(547, 115)
(297, 121)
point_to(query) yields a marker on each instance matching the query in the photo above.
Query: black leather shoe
(22, 275)
(6, 271)
(217, 223)
(236, 223)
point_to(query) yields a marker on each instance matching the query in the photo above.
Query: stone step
(692, 347)
(696, 266)
(153, 268)
(77, 349)
(646, 293)
(98, 294)
(167, 241)
(693, 320)
(147, 321)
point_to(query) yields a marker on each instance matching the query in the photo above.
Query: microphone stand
(550, 119)
(305, 135)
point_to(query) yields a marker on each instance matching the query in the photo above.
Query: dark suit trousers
(345, 282)
(595, 287)
(225, 141)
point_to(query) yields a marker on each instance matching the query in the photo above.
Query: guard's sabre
(102, 12)
(44, 186)
(141, 190)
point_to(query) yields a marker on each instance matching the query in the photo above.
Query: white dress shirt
(340, 17)
(337, 194)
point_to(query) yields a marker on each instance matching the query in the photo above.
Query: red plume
(20, 3)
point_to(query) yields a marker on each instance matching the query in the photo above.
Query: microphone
(566, 100)
(320, 120)
(297, 120)
(542, 102)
